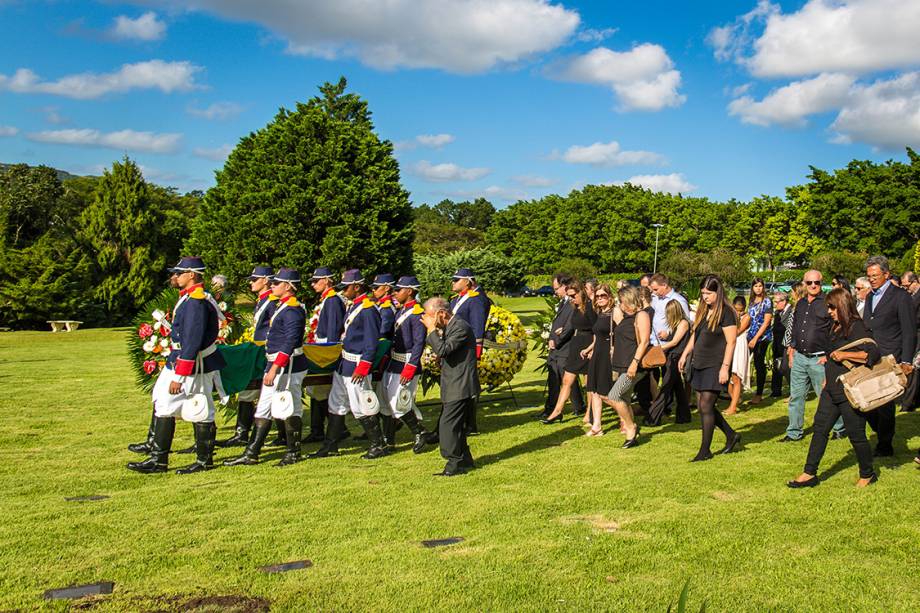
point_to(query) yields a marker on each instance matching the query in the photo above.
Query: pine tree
(316, 186)
(124, 233)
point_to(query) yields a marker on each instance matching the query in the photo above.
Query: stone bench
(60, 325)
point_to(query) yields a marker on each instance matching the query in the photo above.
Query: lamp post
(657, 227)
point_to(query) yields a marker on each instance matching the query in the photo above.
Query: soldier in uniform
(472, 306)
(382, 289)
(325, 326)
(400, 379)
(260, 284)
(351, 387)
(192, 368)
(284, 373)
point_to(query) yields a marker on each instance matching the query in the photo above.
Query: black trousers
(830, 407)
(643, 391)
(672, 384)
(452, 433)
(760, 364)
(911, 397)
(555, 371)
(780, 370)
(882, 421)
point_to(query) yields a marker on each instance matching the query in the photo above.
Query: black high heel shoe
(547, 421)
(732, 445)
(633, 442)
(702, 457)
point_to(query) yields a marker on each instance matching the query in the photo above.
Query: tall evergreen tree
(314, 186)
(124, 230)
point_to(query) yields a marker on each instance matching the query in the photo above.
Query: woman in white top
(741, 361)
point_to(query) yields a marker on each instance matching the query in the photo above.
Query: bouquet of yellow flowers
(503, 356)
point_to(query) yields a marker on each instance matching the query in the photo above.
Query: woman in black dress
(848, 327)
(600, 374)
(576, 363)
(712, 346)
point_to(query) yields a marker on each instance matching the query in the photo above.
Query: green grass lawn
(551, 520)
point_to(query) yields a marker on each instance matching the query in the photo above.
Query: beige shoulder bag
(869, 388)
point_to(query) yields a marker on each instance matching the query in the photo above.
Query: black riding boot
(371, 425)
(146, 446)
(244, 415)
(281, 441)
(205, 437)
(294, 430)
(163, 430)
(388, 427)
(421, 436)
(260, 430)
(334, 430)
(318, 411)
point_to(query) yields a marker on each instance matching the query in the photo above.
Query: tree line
(317, 186)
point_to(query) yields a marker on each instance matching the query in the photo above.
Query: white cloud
(846, 36)
(146, 27)
(123, 140)
(590, 35)
(643, 78)
(463, 36)
(52, 115)
(885, 114)
(217, 110)
(533, 181)
(218, 154)
(441, 173)
(167, 77)
(492, 193)
(674, 183)
(790, 105)
(730, 42)
(8, 131)
(608, 154)
(435, 141)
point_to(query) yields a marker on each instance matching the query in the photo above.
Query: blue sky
(506, 99)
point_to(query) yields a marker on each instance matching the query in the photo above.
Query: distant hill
(62, 175)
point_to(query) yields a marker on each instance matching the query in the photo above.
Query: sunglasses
(812, 283)
(599, 295)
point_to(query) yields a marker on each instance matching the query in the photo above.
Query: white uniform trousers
(170, 405)
(286, 381)
(388, 391)
(345, 396)
(249, 395)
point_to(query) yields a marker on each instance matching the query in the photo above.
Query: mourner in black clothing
(576, 364)
(712, 346)
(782, 317)
(600, 372)
(560, 337)
(631, 339)
(673, 347)
(847, 328)
(890, 317)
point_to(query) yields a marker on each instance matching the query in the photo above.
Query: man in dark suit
(454, 342)
(560, 333)
(911, 283)
(891, 317)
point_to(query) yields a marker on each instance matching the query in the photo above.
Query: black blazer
(563, 319)
(456, 346)
(893, 323)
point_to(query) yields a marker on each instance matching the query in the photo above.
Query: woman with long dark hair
(740, 377)
(712, 346)
(576, 363)
(600, 377)
(848, 327)
(760, 334)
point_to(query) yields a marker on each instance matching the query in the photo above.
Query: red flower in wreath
(145, 331)
(164, 331)
(150, 366)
